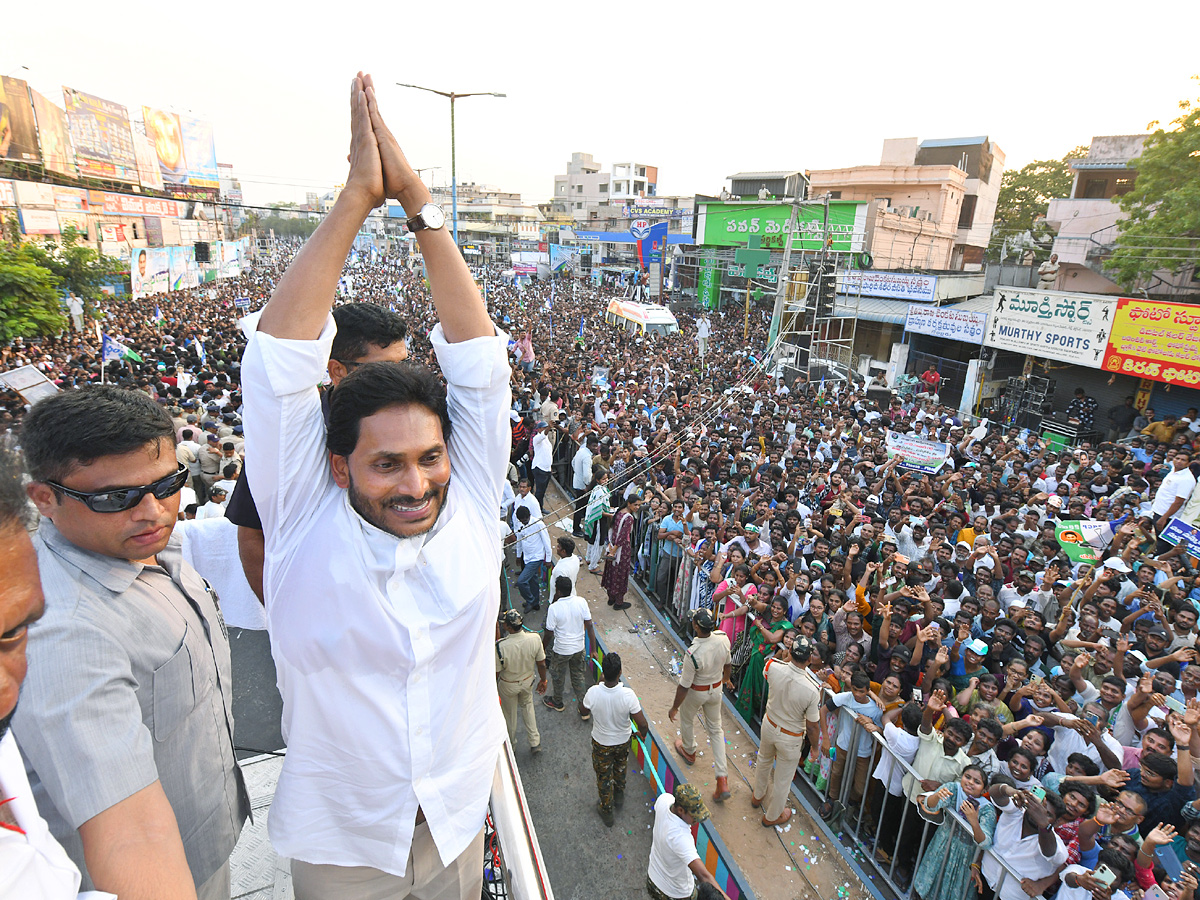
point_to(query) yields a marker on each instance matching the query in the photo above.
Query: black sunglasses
(121, 499)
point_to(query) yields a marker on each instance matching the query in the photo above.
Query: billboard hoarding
(147, 162)
(1051, 324)
(1157, 340)
(101, 136)
(200, 152)
(730, 224)
(38, 221)
(18, 134)
(164, 131)
(57, 153)
(947, 323)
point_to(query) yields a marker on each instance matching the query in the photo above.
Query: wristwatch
(430, 216)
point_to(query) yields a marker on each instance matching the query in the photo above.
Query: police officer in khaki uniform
(793, 710)
(705, 668)
(519, 655)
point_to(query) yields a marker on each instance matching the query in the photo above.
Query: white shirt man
(567, 617)
(1177, 486)
(391, 718)
(524, 498)
(581, 468)
(543, 451)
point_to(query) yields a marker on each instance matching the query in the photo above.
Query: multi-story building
(931, 203)
(585, 194)
(1085, 223)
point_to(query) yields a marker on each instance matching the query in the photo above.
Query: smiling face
(399, 472)
(137, 533)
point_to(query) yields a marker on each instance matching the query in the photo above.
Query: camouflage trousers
(656, 894)
(610, 764)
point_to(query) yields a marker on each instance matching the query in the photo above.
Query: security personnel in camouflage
(519, 656)
(705, 669)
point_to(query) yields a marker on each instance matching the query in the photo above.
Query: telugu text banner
(1155, 340)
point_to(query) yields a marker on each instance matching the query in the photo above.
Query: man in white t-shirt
(673, 857)
(568, 563)
(611, 706)
(215, 507)
(568, 626)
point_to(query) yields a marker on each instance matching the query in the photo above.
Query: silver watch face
(432, 216)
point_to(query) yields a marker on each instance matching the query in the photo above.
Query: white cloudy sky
(698, 89)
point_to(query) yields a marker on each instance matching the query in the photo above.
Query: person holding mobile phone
(1025, 839)
(1106, 880)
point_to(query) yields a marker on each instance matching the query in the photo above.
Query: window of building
(1096, 189)
(966, 215)
(579, 206)
(641, 171)
(619, 186)
(579, 188)
(639, 186)
(562, 188)
(835, 195)
(604, 188)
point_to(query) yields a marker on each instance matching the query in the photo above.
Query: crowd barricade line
(850, 835)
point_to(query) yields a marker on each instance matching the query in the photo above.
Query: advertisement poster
(729, 224)
(18, 137)
(1051, 325)
(149, 272)
(38, 221)
(564, 258)
(101, 136)
(946, 322)
(709, 286)
(1155, 340)
(147, 163)
(164, 132)
(892, 285)
(57, 155)
(919, 454)
(200, 153)
(230, 259)
(1179, 531)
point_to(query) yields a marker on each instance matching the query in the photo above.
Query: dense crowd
(1051, 704)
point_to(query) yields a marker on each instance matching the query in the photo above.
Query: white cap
(1117, 564)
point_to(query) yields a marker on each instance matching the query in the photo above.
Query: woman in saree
(620, 553)
(732, 598)
(945, 872)
(595, 524)
(752, 693)
(704, 557)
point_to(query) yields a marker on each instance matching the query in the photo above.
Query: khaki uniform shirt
(517, 656)
(705, 661)
(793, 698)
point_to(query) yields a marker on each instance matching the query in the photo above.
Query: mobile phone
(1092, 719)
(1038, 792)
(1105, 876)
(1154, 892)
(1169, 861)
(1175, 706)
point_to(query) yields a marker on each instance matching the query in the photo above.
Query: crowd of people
(1048, 707)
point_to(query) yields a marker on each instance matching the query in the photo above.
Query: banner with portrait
(164, 132)
(18, 134)
(147, 163)
(918, 454)
(149, 271)
(57, 153)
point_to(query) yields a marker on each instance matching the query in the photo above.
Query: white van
(641, 318)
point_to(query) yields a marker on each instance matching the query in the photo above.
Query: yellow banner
(1152, 339)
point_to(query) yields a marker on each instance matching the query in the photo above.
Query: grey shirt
(129, 682)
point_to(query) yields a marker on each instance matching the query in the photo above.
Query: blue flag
(158, 316)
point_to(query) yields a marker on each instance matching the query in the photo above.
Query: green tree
(1025, 193)
(29, 295)
(1162, 231)
(81, 269)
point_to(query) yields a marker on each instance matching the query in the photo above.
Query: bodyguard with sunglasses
(126, 716)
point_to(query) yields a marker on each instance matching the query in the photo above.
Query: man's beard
(376, 512)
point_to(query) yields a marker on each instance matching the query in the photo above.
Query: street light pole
(452, 96)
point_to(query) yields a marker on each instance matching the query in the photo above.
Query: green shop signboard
(710, 284)
(731, 224)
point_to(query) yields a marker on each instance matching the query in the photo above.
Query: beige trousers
(517, 697)
(784, 751)
(709, 703)
(424, 877)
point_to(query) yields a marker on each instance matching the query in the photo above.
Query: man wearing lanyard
(374, 619)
